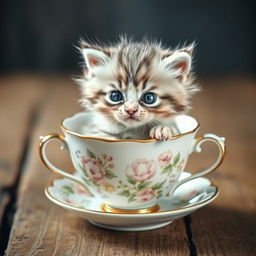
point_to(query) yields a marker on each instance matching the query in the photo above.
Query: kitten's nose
(131, 110)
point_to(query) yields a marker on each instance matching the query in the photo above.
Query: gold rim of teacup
(66, 130)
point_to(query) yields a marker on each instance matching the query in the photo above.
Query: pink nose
(131, 111)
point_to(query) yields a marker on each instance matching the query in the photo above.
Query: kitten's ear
(180, 61)
(94, 56)
(189, 49)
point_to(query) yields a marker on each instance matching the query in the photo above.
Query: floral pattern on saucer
(189, 197)
(71, 193)
(138, 185)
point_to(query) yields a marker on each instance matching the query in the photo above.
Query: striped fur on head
(134, 69)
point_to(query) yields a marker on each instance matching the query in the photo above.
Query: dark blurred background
(39, 35)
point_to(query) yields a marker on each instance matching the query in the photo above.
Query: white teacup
(130, 175)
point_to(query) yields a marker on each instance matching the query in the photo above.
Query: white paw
(162, 132)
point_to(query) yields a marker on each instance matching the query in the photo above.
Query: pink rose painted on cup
(146, 195)
(93, 169)
(165, 158)
(141, 170)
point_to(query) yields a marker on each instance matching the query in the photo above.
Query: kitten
(134, 89)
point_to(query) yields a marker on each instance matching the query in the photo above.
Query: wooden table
(31, 106)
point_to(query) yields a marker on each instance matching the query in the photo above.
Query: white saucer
(186, 199)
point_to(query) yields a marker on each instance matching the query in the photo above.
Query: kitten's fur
(134, 68)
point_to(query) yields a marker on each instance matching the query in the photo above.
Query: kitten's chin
(131, 122)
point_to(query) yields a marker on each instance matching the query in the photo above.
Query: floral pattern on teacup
(146, 195)
(139, 191)
(176, 173)
(141, 170)
(139, 184)
(108, 187)
(165, 158)
(169, 163)
(93, 169)
(97, 169)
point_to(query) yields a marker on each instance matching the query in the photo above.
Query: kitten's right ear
(180, 63)
(94, 56)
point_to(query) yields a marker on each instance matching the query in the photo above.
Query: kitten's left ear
(180, 62)
(189, 49)
(94, 56)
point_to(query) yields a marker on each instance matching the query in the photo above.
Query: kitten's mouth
(130, 121)
(131, 118)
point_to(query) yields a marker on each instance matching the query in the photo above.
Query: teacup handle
(44, 140)
(219, 141)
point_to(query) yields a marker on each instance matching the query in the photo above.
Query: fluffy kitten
(134, 89)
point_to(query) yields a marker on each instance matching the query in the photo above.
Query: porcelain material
(126, 173)
(189, 197)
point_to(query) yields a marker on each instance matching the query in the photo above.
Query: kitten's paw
(162, 132)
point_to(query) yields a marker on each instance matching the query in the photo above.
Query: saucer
(189, 197)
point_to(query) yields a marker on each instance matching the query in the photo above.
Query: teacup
(130, 175)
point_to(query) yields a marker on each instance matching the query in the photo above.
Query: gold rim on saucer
(107, 208)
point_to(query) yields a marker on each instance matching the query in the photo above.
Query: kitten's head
(134, 83)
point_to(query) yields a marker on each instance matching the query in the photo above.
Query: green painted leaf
(100, 161)
(131, 198)
(91, 154)
(83, 169)
(96, 184)
(86, 181)
(131, 180)
(176, 159)
(125, 192)
(143, 185)
(110, 174)
(164, 170)
(167, 169)
(158, 185)
(67, 190)
(170, 171)
(159, 195)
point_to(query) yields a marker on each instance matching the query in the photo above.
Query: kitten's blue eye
(149, 98)
(116, 96)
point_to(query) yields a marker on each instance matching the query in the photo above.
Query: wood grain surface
(227, 226)
(19, 97)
